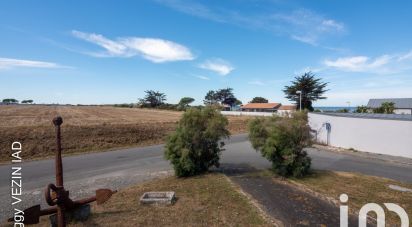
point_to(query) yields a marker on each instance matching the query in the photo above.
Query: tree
(29, 101)
(361, 109)
(312, 89)
(225, 95)
(10, 101)
(281, 140)
(221, 96)
(211, 98)
(386, 108)
(259, 100)
(185, 102)
(153, 99)
(194, 147)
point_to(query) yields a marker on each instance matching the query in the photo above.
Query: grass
(88, 128)
(361, 189)
(206, 200)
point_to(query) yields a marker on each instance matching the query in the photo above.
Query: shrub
(194, 146)
(281, 140)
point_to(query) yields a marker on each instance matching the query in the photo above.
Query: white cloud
(152, 49)
(406, 56)
(17, 63)
(217, 65)
(302, 25)
(384, 64)
(203, 77)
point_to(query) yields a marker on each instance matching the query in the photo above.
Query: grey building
(402, 105)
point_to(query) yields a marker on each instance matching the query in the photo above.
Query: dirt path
(285, 203)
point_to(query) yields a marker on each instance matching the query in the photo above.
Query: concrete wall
(403, 111)
(382, 136)
(243, 113)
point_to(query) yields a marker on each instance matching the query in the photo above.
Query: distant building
(261, 107)
(402, 105)
(286, 109)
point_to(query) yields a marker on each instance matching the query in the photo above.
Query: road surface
(121, 168)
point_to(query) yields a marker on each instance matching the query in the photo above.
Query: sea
(334, 108)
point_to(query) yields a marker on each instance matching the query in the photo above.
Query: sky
(105, 52)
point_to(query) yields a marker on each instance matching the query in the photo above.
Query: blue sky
(96, 52)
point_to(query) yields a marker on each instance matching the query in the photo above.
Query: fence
(375, 133)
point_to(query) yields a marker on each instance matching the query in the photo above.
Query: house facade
(402, 105)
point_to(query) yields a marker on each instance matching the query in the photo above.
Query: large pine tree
(312, 89)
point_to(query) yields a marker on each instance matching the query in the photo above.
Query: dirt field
(87, 128)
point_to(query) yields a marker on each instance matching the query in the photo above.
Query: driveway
(121, 168)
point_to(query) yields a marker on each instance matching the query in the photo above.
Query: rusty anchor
(55, 194)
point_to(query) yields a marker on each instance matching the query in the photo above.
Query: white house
(402, 105)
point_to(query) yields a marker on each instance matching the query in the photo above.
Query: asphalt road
(117, 169)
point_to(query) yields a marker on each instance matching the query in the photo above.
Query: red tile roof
(261, 106)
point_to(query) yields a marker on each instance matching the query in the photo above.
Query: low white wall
(382, 136)
(244, 113)
(402, 111)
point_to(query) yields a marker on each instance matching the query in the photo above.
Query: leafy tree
(281, 140)
(195, 146)
(184, 103)
(153, 99)
(361, 109)
(312, 89)
(221, 96)
(10, 101)
(225, 95)
(388, 107)
(211, 98)
(29, 101)
(259, 100)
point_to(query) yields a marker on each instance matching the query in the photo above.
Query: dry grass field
(87, 128)
(205, 200)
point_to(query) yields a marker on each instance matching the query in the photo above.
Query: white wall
(244, 113)
(383, 136)
(403, 111)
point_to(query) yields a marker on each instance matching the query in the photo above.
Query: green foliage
(344, 110)
(184, 103)
(281, 140)
(312, 89)
(195, 146)
(259, 100)
(152, 99)
(10, 101)
(221, 96)
(388, 107)
(362, 109)
(385, 108)
(29, 101)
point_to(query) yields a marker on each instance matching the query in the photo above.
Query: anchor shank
(59, 163)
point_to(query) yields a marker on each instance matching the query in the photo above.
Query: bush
(281, 140)
(195, 147)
